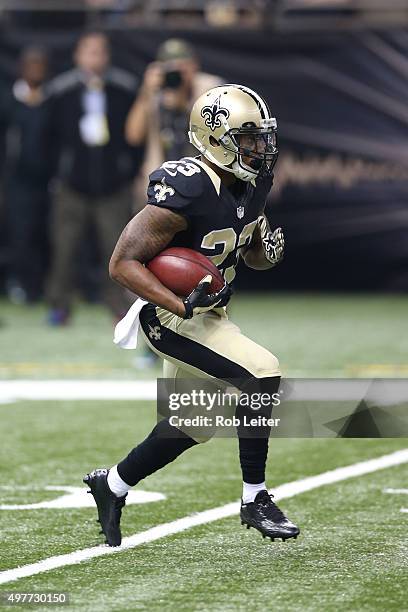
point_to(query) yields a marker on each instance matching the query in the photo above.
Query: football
(181, 269)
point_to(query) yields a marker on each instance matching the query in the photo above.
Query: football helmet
(232, 127)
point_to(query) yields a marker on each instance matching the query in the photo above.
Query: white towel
(127, 329)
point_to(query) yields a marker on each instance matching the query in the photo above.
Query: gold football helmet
(232, 127)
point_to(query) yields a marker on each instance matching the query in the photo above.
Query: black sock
(164, 444)
(254, 441)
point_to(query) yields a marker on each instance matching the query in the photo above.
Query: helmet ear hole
(214, 142)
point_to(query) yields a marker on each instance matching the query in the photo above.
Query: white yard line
(383, 392)
(289, 489)
(14, 390)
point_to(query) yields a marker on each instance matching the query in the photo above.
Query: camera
(172, 79)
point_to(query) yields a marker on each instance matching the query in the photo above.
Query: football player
(213, 203)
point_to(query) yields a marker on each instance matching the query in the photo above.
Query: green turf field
(313, 335)
(352, 552)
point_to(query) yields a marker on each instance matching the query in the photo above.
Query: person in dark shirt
(95, 167)
(27, 174)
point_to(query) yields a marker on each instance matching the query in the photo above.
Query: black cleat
(109, 506)
(264, 515)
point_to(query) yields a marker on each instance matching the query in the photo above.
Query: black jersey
(221, 220)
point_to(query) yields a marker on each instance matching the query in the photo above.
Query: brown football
(180, 270)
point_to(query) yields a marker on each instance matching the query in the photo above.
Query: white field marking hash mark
(398, 492)
(289, 489)
(76, 497)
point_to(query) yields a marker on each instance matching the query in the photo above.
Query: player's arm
(146, 235)
(266, 249)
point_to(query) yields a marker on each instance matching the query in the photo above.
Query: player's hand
(273, 242)
(200, 301)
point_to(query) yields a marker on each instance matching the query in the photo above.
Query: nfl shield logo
(240, 212)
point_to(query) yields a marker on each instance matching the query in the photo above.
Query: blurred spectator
(27, 173)
(95, 167)
(160, 115)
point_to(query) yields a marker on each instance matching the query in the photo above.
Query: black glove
(200, 301)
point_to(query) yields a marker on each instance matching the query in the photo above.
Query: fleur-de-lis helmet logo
(212, 114)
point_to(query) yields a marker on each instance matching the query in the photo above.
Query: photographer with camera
(159, 116)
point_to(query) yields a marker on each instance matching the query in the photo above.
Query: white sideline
(289, 489)
(382, 392)
(15, 390)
